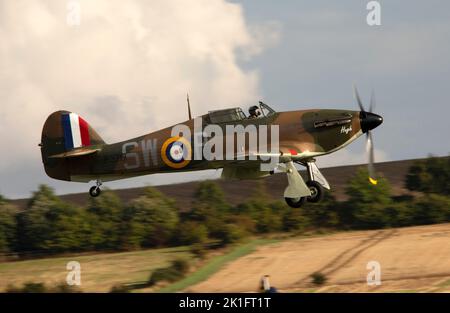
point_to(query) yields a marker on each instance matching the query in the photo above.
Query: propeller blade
(370, 152)
(372, 102)
(369, 139)
(358, 99)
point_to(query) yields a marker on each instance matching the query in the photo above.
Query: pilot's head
(254, 111)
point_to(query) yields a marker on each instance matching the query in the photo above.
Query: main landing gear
(298, 192)
(317, 193)
(95, 191)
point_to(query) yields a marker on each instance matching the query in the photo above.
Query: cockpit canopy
(236, 114)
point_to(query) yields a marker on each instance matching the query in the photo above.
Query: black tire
(317, 191)
(295, 202)
(95, 191)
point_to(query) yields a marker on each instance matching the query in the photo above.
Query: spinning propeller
(369, 121)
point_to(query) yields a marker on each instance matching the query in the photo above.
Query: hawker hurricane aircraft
(73, 151)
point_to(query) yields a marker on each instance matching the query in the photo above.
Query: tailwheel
(317, 191)
(95, 191)
(295, 202)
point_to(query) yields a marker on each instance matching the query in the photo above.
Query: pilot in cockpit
(254, 112)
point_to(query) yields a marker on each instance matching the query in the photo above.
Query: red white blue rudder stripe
(76, 131)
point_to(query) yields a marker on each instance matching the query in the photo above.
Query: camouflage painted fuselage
(303, 135)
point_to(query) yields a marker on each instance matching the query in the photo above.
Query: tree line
(48, 225)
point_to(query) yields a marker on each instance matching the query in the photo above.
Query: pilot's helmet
(252, 110)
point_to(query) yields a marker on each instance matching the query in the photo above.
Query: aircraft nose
(369, 121)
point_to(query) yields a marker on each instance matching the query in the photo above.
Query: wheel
(317, 191)
(295, 202)
(95, 191)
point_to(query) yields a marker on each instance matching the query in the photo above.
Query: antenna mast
(189, 107)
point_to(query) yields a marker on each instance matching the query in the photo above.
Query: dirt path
(350, 254)
(412, 259)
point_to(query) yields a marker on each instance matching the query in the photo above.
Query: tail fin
(64, 135)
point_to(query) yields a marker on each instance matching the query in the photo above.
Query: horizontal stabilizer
(75, 153)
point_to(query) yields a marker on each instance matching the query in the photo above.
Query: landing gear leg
(297, 190)
(316, 183)
(95, 190)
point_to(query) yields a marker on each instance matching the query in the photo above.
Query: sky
(125, 67)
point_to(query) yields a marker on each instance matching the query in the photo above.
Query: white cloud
(126, 68)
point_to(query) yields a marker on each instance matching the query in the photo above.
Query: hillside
(237, 191)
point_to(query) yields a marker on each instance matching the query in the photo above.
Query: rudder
(63, 132)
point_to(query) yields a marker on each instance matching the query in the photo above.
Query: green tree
(7, 226)
(267, 216)
(366, 205)
(418, 179)
(399, 214)
(149, 221)
(294, 220)
(34, 231)
(263, 215)
(209, 193)
(431, 209)
(210, 209)
(233, 233)
(323, 214)
(48, 225)
(191, 232)
(68, 228)
(244, 222)
(43, 196)
(104, 215)
(431, 175)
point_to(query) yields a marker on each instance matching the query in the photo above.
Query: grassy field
(412, 259)
(99, 272)
(216, 264)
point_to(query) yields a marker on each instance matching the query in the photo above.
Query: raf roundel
(176, 152)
